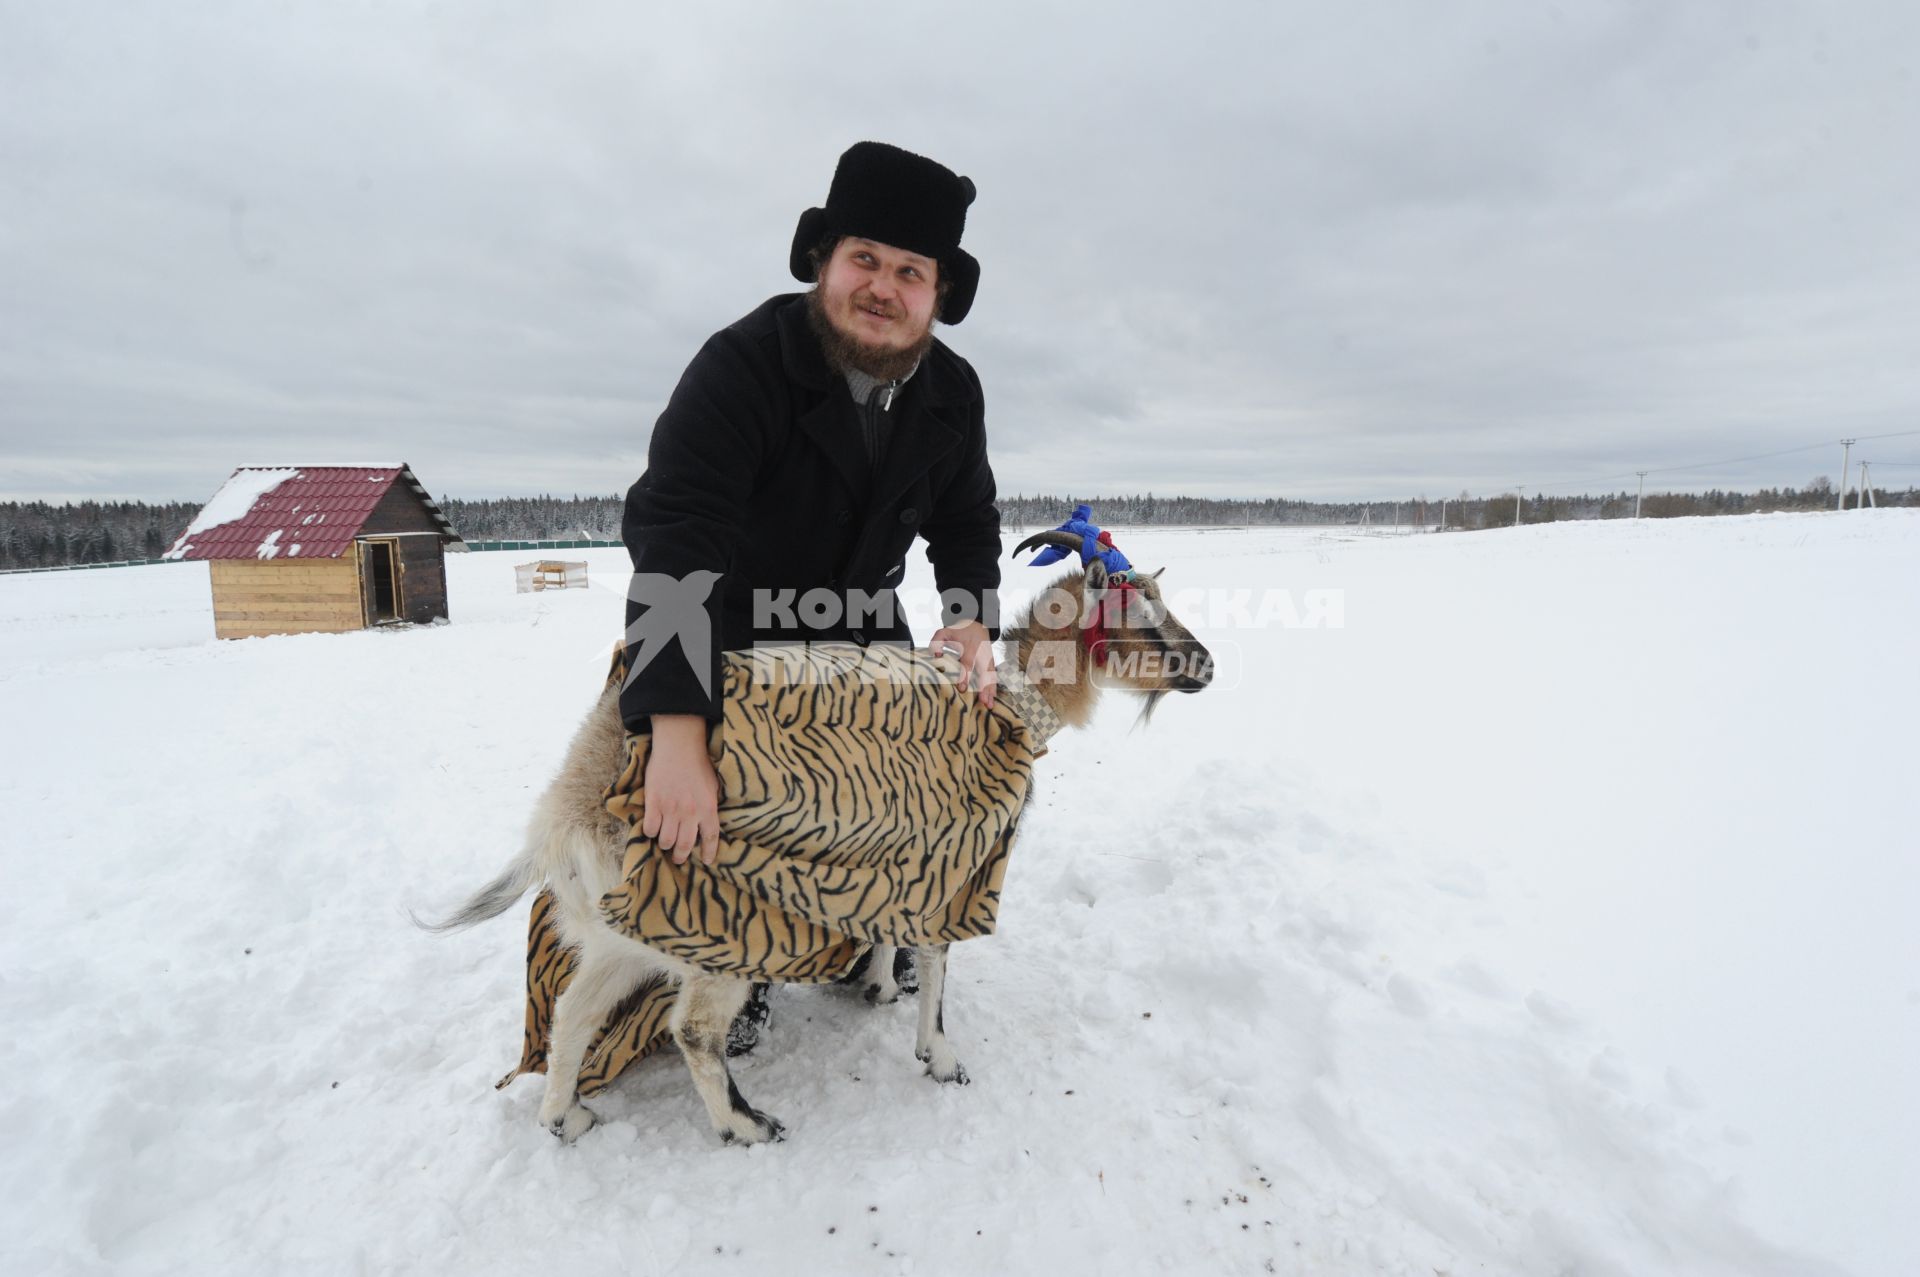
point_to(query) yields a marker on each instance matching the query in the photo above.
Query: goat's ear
(1156, 574)
(1096, 576)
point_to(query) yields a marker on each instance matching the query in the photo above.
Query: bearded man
(805, 447)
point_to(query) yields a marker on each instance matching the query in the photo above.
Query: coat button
(909, 515)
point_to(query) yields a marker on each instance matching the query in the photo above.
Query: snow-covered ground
(1541, 902)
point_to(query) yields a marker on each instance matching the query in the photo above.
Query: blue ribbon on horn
(1092, 546)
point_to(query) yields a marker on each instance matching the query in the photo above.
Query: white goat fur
(576, 848)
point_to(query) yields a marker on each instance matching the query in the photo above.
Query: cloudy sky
(1322, 250)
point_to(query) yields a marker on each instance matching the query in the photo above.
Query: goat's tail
(491, 900)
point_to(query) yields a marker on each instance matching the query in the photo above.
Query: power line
(1568, 483)
(1709, 465)
(1734, 461)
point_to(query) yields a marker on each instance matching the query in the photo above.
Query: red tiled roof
(312, 513)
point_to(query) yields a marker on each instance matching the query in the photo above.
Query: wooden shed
(321, 549)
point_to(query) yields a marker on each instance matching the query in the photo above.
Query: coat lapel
(829, 423)
(921, 437)
(931, 423)
(923, 430)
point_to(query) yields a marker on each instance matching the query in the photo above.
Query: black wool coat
(757, 472)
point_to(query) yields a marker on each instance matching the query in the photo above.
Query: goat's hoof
(753, 1127)
(572, 1124)
(942, 1066)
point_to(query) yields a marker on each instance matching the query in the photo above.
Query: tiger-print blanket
(864, 799)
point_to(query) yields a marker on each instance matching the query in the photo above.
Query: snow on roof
(236, 498)
(327, 505)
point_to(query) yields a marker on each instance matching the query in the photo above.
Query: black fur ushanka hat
(895, 197)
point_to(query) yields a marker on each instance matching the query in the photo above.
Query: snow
(234, 500)
(269, 546)
(1541, 901)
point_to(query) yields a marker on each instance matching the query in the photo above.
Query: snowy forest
(34, 534)
(39, 535)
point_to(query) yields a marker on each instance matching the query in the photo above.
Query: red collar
(1108, 615)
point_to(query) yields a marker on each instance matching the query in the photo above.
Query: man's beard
(843, 351)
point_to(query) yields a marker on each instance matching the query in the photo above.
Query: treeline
(1045, 511)
(540, 518)
(34, 534)
(1498, 511)
(38, 535)
(1463, 511)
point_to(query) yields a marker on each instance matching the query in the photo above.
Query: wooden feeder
(549, 574)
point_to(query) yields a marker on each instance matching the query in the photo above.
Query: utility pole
(1640, 494)
(1443, 515)
(1516, 509)
(1846, 452)
(1866, 490)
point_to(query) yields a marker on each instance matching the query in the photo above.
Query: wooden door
(380, 580)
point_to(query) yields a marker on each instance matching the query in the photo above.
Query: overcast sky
(1321, 251)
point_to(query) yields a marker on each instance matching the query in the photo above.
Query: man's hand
(970, 643)
(683, 794)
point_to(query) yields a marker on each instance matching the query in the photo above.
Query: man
(804, 448)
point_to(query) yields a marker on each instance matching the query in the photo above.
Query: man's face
(879, 301)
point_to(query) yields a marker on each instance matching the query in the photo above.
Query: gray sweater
(874, 398)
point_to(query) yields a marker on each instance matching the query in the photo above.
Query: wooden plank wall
(253, 597)
(399, 511)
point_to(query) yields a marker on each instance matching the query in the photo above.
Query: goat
(1085, 633)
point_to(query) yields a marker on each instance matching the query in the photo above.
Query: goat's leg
(701, 1015)
(757, 1013)
(600, 979)
(878, 985)
(931, 1044)
(890, 973)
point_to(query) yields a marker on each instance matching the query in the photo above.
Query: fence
(542, 545)
(84, 567)
(468, 545)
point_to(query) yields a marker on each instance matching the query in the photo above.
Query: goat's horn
(1054, 537)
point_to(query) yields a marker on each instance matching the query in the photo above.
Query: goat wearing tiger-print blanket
(865, 801)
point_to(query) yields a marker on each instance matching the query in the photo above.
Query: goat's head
(1093, 629)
